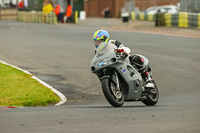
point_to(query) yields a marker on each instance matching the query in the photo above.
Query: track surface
(60, 55)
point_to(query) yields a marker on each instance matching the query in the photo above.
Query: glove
(124, 54)
(127, 50)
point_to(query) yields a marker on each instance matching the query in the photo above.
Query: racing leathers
(138, 61)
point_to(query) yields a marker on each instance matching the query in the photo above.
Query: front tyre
(113, 96)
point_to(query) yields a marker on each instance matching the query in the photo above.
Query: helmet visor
(97, 42)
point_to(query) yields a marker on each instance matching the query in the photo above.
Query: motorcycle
(121, 82)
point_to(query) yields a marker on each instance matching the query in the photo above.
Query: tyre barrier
(133, 16)
(37, 17)
(150, 17)
(175, 20)
(159, 19)
(181, 19)
(74, 17)
(142, 16)
(168, 20)
(51, 18)
(194, 20)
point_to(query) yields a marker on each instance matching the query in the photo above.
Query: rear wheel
(113, 96)
(152, 94)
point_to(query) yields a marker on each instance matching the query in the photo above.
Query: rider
(136, 60)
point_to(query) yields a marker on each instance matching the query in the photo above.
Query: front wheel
(113, 96)
(152, 94)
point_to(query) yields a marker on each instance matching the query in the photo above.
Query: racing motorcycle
(121, 81)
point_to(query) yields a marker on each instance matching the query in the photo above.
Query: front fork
(114, 78)
(117, 81)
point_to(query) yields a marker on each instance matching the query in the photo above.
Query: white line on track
(62, 97)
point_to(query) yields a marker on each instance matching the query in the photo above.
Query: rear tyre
(114, 97)
(152, 95)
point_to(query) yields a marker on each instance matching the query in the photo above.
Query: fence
(37, 17)
(192, 6)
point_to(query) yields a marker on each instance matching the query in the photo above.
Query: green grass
(19, 89)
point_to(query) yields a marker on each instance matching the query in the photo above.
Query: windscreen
(104, 48)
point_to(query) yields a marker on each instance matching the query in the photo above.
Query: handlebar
(121, 53)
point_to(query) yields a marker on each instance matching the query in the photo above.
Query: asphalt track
(60, 55)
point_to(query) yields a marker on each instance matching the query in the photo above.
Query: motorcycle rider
(135, 60)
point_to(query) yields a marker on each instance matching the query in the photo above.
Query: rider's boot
(146, 76)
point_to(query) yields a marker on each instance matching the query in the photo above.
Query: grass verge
(19, 89)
